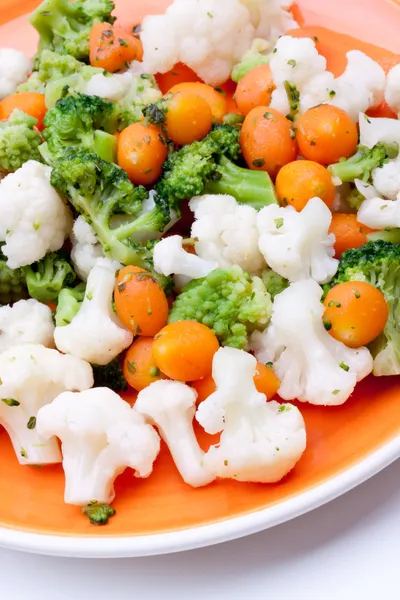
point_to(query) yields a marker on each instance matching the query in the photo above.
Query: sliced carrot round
(140, 302)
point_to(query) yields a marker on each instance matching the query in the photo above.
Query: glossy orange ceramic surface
(31, 498)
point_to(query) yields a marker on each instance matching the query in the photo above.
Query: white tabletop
(346, 550)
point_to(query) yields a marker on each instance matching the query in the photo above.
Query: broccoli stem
(105, 146)
(391, 235)
(155, 220)
(254, 188)
(361, 164)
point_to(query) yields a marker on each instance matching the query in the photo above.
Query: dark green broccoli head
(378, 263)
(65, 26)
(229, 301)
(46, 278)
(76, 122)
(110, 376)
(19, 141)
(12, 283)
(102, 193)
(186, 172)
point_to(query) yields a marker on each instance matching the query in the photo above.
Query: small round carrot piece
(267, 140)
(140, 370)
(204, 387)
(31, 103)
(111, 48)
(215, 97)
(188, 118)
(179, 74)
(349, 233)
(299, 181)
(140, 302)
(356, 313)
(325, 134)
(185, 350)
(142, 150)
(265, 381)
(254, 89)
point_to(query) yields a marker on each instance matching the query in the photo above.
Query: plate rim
(204, 535)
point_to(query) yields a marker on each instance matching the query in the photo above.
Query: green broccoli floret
(101, 192)
(274, 283)
(77, 121)
(68, 305)
(110, 376)
(248, 186)
(259, 54)
(54, 73)
(142, 92)
(362, 163)
(47, 277)
(229, 301)
(65, 26)
(98, 514)
(19, 141)
(205, 167)
(12, 283)
(378, 263)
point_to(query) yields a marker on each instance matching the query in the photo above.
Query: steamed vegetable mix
(172, 199)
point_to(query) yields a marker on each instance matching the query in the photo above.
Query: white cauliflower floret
(26, 322)
(100, 436)
(270, 18)
(31, 377)
(311, 365)
(171, 406)
(378, 213)
(96, 334)
(171, 258)
(296, 60)
(392, 91)
(34, 219)
(386, 179)
(318, 90)
(86, 248)
(209, 36)
(112, 87)
(260, 441)
(361, 86)
(14, 69)
(298, 245)
(226, 232)
(379, 130)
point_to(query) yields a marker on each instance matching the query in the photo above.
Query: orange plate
(31, 499)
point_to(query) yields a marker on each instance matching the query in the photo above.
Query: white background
(346, 550)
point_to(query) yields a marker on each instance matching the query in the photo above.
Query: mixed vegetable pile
(158, 236)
